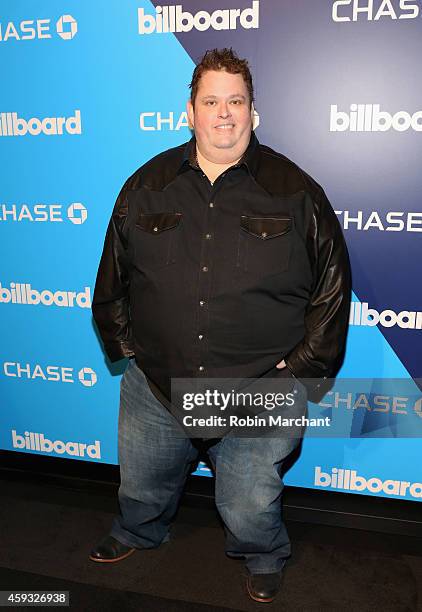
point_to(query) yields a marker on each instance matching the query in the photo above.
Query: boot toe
(110, 550)
(263, 587)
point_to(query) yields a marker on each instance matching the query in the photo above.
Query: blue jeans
(155, 462)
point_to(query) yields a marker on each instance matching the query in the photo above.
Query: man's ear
(189, 109)
(254, 117)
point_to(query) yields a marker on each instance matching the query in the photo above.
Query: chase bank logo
(158, 121)
(87, 377)
(77, 213)
(66, 27)
(391, 221)
(418, 407)
(38, 29)
(49, 373)
(373, 10)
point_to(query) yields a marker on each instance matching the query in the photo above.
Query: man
(222, 259)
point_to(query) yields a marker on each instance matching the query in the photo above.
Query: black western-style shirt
(223, 280)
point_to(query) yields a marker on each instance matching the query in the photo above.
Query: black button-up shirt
(216, 280)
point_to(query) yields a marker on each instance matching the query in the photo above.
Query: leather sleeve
(110, 304)
(320, 353)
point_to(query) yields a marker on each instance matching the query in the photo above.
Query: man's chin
(225, 144)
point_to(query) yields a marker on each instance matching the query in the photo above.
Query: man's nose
(223, 110)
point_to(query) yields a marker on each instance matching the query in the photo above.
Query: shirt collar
(249, 160)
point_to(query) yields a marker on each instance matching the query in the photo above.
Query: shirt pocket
(157, 239)
(265, 244)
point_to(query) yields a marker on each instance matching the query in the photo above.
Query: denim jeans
(155, 461)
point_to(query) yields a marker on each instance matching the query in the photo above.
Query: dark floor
(47, 531)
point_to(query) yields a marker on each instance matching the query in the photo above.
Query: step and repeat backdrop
(92, 90)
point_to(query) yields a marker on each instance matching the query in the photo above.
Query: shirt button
(200, 336)
(204, 269)
(208, 236)
(211, 204)
(264, 234)
(202, 303)
(155, 229)
(201, 368)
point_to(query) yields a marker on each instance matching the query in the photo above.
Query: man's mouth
(225, 126)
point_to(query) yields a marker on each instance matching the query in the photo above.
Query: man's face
(222, 116)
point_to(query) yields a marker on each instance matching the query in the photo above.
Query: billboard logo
(360, 314)
(51, 373)
(66, 27)
(405, 9)
(38, 29)
(349, 480)
(76, 213)
(398, 221)
(369, 118)
(38, 442)
(24, 294)
(175, 19)
(12, 125)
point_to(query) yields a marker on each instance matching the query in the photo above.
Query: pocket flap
(158, 222)
(266, 227)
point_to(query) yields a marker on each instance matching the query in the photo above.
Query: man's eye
(236, 101)
(210, 102)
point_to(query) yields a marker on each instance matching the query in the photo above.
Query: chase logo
(77, 213)
(175, 19)
(49, 373)
(157, 121)
(392, 221)
(356, 10)
(37, 29)
(66, 27)
(418, 407)
(87, 377)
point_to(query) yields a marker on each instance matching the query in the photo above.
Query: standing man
(222, 259)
